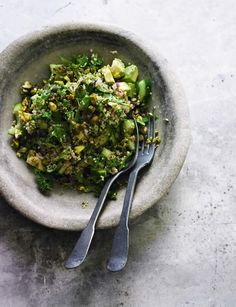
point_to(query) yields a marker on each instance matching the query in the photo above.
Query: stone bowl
(27, 59)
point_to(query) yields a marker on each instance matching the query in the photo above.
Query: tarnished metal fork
(120, 246)
(82, 246)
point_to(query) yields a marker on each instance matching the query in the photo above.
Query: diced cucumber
(117, 68)
(11, 131)
(128, 126)
(78, 149)
(16, 131)
(99, 173)
(17, 108)
(102, 139)
(132, 90)
(143, 89)
(131, 145)
(102, 172)
(131, 73)
(106, 71)
(106, 153)
(59, 82)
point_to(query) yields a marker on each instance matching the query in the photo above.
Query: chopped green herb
(43, 182)
(76, 128)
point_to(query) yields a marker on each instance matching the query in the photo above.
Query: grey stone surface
(183, 250)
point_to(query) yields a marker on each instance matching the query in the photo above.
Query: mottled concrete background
(183, 250)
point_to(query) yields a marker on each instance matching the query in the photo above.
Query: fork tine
(153, 122)
(148, 136)
(151, 129)
(152, 146)
(142, 146)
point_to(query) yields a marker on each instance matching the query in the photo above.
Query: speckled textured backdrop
(183, 250)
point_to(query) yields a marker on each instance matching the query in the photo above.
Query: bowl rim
(174, 88)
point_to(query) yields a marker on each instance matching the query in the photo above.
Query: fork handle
(81, 248)
(120, 245)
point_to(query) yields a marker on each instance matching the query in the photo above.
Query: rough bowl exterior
(28, 59)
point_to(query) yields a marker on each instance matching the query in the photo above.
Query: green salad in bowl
(77, 127)
(71, 122)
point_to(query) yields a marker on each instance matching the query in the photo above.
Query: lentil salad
(77, 127)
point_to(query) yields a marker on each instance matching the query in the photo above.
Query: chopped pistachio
(84, 204)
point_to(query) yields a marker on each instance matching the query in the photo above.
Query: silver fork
(81, 248)
(120, 245)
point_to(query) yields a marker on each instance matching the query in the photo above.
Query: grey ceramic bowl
(27, 59)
